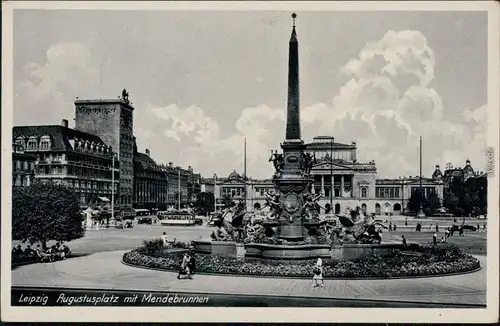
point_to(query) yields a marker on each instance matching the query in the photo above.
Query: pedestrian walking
(461, 231)
(395, 226)
(447, 233)
(185, 267)
(164, 239)
(404, 241)
(430, 226)
(437, 228)
(318, 273)
(406, 221)
(434, 239)
(390, 226)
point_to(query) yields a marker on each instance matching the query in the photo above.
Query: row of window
(387, 192)
(74, 170)
(21, 180)
(23, 166)
(33, 143)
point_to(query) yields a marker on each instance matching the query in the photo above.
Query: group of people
(57, 251)
(392, 227)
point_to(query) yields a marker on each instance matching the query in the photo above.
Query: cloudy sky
(203, 81)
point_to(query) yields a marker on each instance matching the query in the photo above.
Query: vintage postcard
(250, 161)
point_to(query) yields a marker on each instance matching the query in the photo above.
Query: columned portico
(342, 186)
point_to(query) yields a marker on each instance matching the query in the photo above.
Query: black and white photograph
(258, 158)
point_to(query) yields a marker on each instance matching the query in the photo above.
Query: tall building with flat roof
(112, 121)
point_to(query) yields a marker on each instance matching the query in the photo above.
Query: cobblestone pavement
(105, 271)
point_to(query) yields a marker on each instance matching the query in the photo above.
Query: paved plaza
(100, 267)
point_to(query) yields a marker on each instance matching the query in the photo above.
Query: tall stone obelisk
(293, 106)
(292, 184)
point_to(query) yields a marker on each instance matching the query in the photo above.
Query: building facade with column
(78, 160)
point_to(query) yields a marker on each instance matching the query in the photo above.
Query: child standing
(318, 273)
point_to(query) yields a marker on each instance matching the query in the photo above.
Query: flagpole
(245, 171)
(179, 188)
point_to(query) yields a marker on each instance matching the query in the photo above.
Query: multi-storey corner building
(69, 157)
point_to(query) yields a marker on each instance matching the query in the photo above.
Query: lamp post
(215, 198)
(112, 185)
(331, 176)
(403, 195)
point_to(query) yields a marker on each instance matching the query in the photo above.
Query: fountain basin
(358, 251)
(217, 248)
(287, 252)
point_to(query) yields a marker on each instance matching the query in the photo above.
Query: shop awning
(104, 199)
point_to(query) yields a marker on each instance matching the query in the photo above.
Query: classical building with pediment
(343, 181)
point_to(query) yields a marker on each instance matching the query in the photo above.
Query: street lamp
(215, 199)
(113, 185)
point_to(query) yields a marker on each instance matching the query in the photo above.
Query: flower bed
(429, 261)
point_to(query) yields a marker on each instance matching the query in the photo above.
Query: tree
(416, 199)
(227, 201)
(43, 212)
(450, 201)
(205, 203)
(433, 202)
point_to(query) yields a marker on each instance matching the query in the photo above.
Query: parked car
(145, 220)
(455, 228)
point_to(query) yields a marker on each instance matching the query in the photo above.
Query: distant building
(343, 181)
(70, 157)
(177, 193)
(194, 185)
(112, 121)
(23, 166)
(150, 182)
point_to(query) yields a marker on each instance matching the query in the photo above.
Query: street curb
(307, 277)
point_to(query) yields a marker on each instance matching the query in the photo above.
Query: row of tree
(467, 198)
(460, 198)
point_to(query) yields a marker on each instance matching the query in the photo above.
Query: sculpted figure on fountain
(278, 163)
(274, 204)
(307, 162)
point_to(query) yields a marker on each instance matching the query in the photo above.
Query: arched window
(256, 206)
(363, 207)
(364, 192)
(45, 143)
(337, 208)
(32, 143)
(397, 207)
(377, 209)
(20, 143)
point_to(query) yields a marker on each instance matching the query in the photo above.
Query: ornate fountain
(292, 229)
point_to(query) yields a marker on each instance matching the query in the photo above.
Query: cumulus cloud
(205, 145)
(49, 88)
(386, 103)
